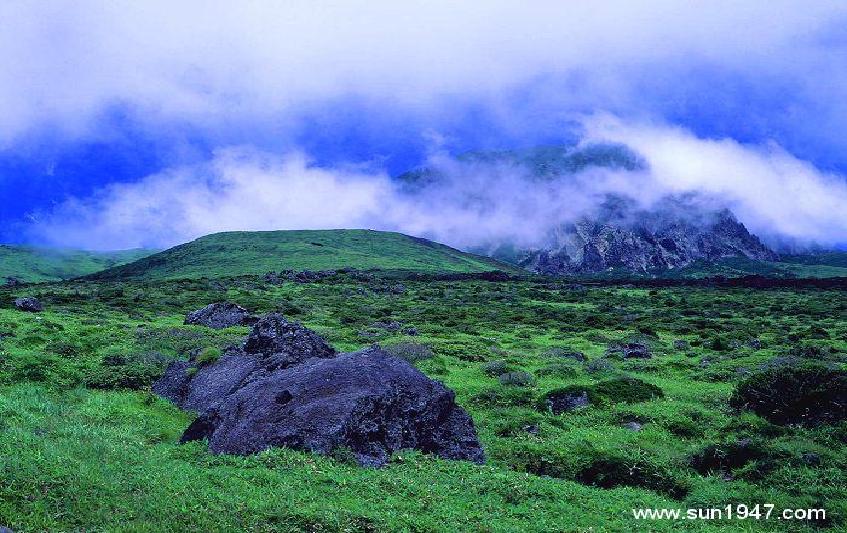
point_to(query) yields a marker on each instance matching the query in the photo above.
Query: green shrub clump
(808, 395)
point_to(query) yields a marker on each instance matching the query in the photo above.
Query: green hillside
(258, 252)
(32, 264)
(829, 265)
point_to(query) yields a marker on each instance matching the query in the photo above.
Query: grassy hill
(258, 252)
(33, 264)
(829, 265)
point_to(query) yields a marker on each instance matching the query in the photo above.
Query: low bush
(807, 395)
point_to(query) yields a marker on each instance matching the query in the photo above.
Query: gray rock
(564, 401)
(281, 343)
(754, 344)
(28, 304)
(367, 402)
(221, 315)
(633, 426)
(629, 350)
(681, 344)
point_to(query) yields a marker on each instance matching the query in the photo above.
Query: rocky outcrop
(280, 343)
(221, 315)
(28, 304)
(288, 387)
(366, 402)
(645, 241)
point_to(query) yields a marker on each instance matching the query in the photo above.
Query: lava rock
(565, 400)
(221, 315)
(281, 343)
(28, 304)
(681, 344)
(629, 350)
(633, 426)
(367, 402)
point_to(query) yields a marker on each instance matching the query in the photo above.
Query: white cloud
(212, 64)
(774, 193)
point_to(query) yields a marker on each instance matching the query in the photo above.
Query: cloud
(475, 204)
(776, 194)
(219, 66)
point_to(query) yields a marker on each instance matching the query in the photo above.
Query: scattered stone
(629, 350)
(221, 315)
(633, 426)
(392, 325)
(28, 304)
(367, 402)
(681, 344)
(532, 429)
(13, 282)
(566, 354)
(398, 289)
(754, 344)
(811, 459)
(567, 399)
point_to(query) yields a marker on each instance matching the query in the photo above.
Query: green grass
(236, 253)
(84, 445)
(31, 264)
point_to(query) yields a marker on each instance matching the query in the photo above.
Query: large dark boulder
(280, 343)
(221, 315)
(28, 304)
(368, 403)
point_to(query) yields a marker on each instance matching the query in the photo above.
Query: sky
(146, 124)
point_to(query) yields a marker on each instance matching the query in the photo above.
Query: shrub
(624, 390)
(410, 351)
(609, 471)
(496, 368)
(559, 370)
(808, 395)
(503, 397)
(518, 379)
(208, 356)
(727, 456)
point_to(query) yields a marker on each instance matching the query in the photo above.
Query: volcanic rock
(367, 402)
(221, 315)
(28, 304)
(281, 343)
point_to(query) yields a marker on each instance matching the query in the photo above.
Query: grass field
(31, 264)
(85, 445)
(257, 252)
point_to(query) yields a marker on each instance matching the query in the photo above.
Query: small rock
(564, 401)
(633, 426)
(532, 429)
(681, 344)
(221, 315)
(754, 344)
(811, 459)
(28, 304)
(630, 350)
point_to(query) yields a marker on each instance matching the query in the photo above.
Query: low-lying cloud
(775, 194)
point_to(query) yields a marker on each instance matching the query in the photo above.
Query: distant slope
(258, 252)
(32, 264)
(824, 265)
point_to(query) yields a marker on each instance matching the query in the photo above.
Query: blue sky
(93, 94)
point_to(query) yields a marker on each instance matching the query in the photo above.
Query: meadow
(85, 445)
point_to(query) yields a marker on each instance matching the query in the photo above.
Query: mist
(474, 204)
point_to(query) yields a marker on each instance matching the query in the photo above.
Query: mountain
(259, 252)
(32, 264)
(617, 233)
(671, 235)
